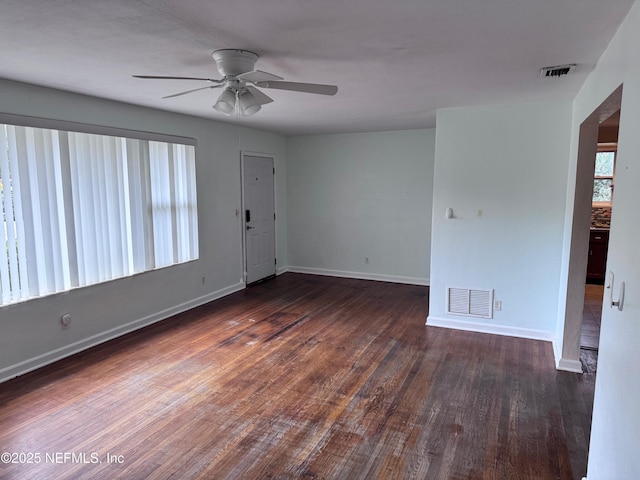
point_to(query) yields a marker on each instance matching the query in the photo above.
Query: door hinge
(274, 170)
(274, 216)
(275, 261)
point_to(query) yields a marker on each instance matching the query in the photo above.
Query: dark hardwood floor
(300, 377)
(591, 316)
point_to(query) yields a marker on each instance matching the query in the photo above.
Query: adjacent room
(319, 240)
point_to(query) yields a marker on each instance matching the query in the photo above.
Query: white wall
(31, 335)
(353, 196)
(503, 171)
(615, 434)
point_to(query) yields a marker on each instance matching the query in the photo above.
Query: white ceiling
(395, 63)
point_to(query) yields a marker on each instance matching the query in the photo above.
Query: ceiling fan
(240, 79)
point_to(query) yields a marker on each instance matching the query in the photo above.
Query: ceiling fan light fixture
(226, 102)
(248, 103)
(239, 81)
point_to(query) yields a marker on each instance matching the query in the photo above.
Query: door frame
(243, 230)
(579, 242)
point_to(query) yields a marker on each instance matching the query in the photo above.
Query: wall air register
(470, 302)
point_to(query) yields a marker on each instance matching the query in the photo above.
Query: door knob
(250, 228)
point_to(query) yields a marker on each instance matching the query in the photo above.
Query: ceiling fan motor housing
(231, 62)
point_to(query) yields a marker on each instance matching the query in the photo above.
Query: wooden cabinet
(597, 264)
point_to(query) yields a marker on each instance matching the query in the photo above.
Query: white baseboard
(479, 327)
(26, 366)
(565, 364)
(557, 352)
(569, 365)
(360, 275)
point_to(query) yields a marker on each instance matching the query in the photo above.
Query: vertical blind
(82, 208)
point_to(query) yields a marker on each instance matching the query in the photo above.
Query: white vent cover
(470, 302)
(557, 71)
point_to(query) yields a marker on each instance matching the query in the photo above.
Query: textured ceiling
(395, 63)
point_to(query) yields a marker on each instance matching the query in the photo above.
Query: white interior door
(258, 216)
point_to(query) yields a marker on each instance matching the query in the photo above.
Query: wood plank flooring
(301, 377)
(591, 316)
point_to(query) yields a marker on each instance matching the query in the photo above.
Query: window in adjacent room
(80, 208)
(604, 174)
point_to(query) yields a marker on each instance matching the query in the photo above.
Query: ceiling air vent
(557, 71)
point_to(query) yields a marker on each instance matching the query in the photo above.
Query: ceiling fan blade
(300, 87)
(260, 97)
(162, 77)
(193, 90)
(256, 76)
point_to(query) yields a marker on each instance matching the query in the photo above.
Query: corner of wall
(565, 365)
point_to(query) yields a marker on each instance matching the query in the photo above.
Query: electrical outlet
(204, 280)
(366, 260)
(65, 321)
(497, 305)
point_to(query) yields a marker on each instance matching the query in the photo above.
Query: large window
(82, 208)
